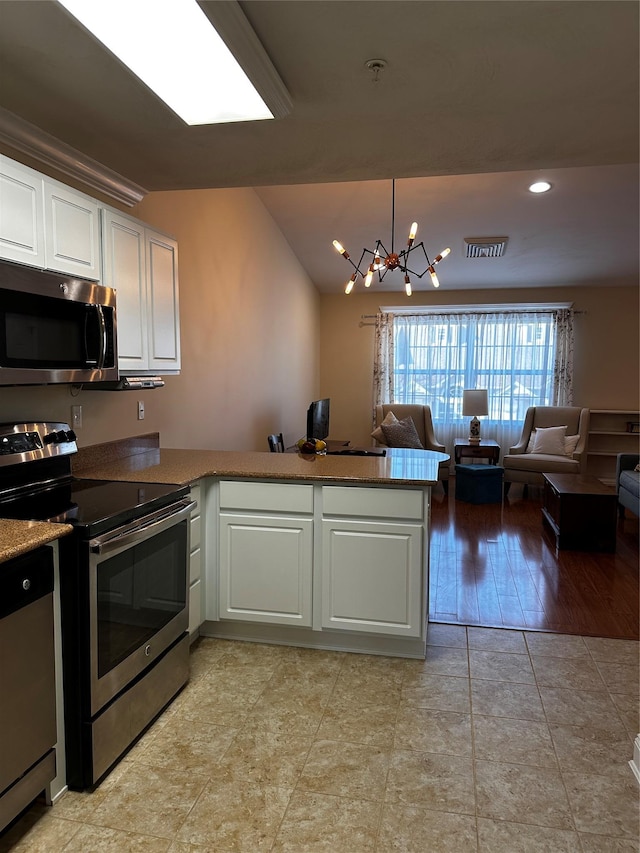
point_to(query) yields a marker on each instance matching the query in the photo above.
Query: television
(318, 419)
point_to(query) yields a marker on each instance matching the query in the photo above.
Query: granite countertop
(180, 467)
(400, 467)
(19, 537)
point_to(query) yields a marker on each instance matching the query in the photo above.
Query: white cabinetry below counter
(266, 545)
(341, 567)
(372, 559)
(142, 265)
(195, 561)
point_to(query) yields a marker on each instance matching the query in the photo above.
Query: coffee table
(486, 449)
(580, 511)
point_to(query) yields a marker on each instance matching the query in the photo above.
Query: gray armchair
(628, 483)
(421, 417)
(525, 467)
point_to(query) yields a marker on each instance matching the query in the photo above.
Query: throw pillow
(378, 434)
(570, 444)
(637, 468)
(402, 434)
(550, 441)
(532, 441)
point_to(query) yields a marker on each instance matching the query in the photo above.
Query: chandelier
(380, 260)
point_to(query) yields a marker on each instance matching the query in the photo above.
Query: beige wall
(606, 356)
(250, 336)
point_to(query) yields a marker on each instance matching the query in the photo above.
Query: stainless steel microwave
(55, 328)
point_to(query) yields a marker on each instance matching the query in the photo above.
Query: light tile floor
(499, 741)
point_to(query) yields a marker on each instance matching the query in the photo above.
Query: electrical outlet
(76, 417)
(140, 410)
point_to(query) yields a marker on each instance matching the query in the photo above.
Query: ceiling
(477, 99)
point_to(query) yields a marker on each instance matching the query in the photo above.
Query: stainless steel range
(123, 588)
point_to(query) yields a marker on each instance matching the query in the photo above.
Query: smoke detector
(485, 247)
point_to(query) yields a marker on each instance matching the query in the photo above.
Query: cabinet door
(72, 231)
(372, 577)
(124, 268)
(21, 214)
(164, 317)
(265, 569)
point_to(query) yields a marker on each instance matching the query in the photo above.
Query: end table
(486, 449)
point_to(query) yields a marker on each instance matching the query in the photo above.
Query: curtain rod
(465, 311)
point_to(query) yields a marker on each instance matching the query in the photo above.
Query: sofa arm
(626, 462)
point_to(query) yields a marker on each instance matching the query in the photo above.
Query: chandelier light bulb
(443, 254)
(369, 277)
(340, 248)
(412, 233)
(434, 277)
(407, 285)
(349, 285)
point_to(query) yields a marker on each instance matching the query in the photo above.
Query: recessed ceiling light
(173, 48)
(540, 187)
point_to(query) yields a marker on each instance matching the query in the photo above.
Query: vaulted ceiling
(477, 99)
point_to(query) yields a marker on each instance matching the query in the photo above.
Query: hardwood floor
(494, 565)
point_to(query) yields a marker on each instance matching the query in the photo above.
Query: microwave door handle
(143, 528)
(98, 314)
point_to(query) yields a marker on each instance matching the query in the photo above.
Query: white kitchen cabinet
(372, 561)
(266, 552)
(46, 224)
(72, 231)
(163, 316)
(21, 214)
(195, 562)
(142, 265)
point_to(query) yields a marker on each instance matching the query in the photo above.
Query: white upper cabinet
(21, 214)
(142, 266)
(46, 224)
(72, 231)
(163, 310)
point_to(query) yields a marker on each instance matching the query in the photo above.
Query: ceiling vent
(485, 247)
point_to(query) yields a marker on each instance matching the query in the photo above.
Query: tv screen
(318, 419)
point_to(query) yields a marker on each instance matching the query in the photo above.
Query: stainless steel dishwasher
(27, 681)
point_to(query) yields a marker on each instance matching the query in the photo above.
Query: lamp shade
(475, 402)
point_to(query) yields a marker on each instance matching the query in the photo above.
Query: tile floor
(501, 740)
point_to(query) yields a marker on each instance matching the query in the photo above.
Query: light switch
(76, 417)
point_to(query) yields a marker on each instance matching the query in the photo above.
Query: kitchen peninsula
(318, 551)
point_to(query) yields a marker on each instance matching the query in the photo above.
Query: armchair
(423, 422)
(524, 463)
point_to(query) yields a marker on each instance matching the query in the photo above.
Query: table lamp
(474, 403)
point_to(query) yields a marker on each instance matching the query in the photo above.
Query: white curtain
(522, 358)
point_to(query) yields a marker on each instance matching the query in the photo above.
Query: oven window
(140, 591)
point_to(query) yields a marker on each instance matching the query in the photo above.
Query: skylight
(174, 49)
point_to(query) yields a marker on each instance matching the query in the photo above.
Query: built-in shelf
(610, 434)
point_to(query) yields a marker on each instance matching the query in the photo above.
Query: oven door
(138, 585)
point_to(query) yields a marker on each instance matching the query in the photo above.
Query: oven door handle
(142, 528)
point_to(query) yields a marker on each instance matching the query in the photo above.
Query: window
(518, 356)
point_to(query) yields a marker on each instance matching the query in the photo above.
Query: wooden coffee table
(580, 511)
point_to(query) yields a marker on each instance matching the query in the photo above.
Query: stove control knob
(50, 438)
(70, 435)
